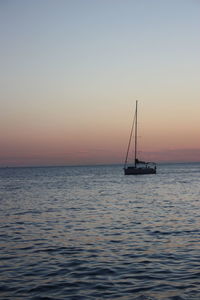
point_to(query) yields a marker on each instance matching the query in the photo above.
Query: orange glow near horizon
(98, 141)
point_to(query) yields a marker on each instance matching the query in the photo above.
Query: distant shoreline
(92, 165)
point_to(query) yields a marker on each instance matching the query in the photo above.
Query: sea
(89, 232)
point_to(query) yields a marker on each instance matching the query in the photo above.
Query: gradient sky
(71, 72)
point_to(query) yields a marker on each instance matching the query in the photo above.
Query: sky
(72, 70)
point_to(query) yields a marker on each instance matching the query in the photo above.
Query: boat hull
(139, 171)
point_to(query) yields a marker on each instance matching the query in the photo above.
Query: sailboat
(139, 167)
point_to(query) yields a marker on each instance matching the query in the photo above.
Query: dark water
(93, 233)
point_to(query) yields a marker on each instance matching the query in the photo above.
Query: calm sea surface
(93, 233)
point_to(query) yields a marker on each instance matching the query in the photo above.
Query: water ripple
(92, 233)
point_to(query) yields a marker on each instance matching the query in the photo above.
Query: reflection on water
(93, 233)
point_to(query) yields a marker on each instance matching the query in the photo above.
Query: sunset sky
(72, 70)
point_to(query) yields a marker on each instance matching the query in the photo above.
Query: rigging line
(136, 109)
(129, 142)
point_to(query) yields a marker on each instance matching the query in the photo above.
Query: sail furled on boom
(137, 161)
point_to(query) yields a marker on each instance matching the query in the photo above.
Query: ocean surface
(93, 233)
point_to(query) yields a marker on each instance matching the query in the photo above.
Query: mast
(129, 142)
(136, 133)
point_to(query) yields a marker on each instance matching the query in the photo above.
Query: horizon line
(92, 165)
